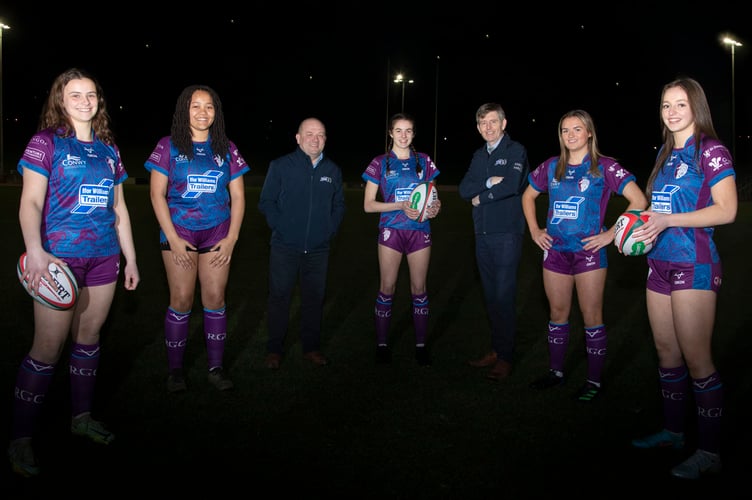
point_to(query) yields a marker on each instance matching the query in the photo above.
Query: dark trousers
(286, 267)
(498, 256)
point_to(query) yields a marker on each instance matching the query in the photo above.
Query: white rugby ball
(422, 197)
(626, 224)
(60, 295)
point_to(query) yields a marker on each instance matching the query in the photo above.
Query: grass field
(355, 429)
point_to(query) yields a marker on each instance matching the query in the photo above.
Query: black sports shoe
(588, 392)
(551, 379)
(176, 382)
(383, 355)
(421, 356)
(219, 380)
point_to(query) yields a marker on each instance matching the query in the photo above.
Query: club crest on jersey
(681, 170)
(111, 163)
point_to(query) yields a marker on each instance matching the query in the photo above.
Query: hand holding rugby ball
(59, 295)
(422, 197)
(626, 225)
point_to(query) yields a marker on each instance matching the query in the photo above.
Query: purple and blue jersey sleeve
(577, 203)
(683, 185)
(78, 218)
(396, 183)
(197, 193)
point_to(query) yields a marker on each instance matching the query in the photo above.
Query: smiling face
(677, 114)
(574, 135)
(491, 126)
(80, 100)
(402, 134)
(201, 112)
(311, 137)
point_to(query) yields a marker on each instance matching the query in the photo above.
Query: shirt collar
(317, 160)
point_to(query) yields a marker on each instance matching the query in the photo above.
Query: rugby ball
(59, 295)
(626, 224)
(422, 197)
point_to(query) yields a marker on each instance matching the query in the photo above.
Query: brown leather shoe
(500, 371)
(273, 360)
(316, 358)
(487, 360)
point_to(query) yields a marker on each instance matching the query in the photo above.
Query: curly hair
(181, 123)
(54, 114)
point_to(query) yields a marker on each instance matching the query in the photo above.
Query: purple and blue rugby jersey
(197, 190)
(398, 184)
(682, 186)
(78, 219)
(577, 204)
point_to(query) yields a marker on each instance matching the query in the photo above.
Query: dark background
(359, 430)
(276, 64)
(402, 432)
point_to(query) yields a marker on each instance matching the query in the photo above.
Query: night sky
(275, 66)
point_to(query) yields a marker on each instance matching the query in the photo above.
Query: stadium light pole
(3, 27)
(400, 78)
(734, 44)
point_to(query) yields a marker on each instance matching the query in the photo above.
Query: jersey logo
(202, 183)
(72, 161)
(681, 170)
(661, 200)
(568, 209)
(716, 163)
(403, 194)
(91, 196)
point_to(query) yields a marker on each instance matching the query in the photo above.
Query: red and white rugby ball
(626, 224)
(422, 197)
(60, 295)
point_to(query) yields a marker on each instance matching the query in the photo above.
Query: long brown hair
(394, 119)
(698, 103)
(54, 114)
(593, 151)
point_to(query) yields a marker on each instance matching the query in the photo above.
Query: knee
(181, 302)
(213, 301)
(46, 352)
